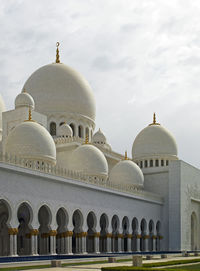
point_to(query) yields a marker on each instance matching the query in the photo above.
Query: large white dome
(154, 141)
(30, 140)
(57, 88)
(127, 173)
(89, 160)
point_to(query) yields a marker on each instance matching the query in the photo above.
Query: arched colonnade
(96, 236)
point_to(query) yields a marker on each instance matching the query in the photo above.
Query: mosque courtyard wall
(125, 215)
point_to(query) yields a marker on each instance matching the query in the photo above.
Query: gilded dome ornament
(86, 139)
(154, 120)
(126, 156)
(30, 115)
(57, 53)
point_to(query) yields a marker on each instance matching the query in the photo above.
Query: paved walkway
(97, 267)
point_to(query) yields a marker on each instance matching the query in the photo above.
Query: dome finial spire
(125, 156)
(154, 120)
(86, 139)
(57, 53)
(29, 114)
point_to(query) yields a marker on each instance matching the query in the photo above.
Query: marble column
(120, 238)
(13, 241)
(154, 243)
(129, 241)
(68, 242)
(52, 235)
(108, 241)
(158, 242)
(34, 239)
(138, 237)
(11, 244)
(146, 242)
(83, 242)
(96, 242)
(112, 248)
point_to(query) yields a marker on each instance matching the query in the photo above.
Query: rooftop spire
(154, 120)
(87, 139)
(125, 156)
(57, 53)
(29, 114)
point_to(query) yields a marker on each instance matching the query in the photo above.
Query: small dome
(89, 160)
(65, 131)
(24, 99)
(57, 88)
(30, 140)
(126, 172)
(154, 141)
(99, 139)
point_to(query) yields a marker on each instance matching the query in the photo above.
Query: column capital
(53, 233)
(13, 231)
(34, 232)
(120, 235)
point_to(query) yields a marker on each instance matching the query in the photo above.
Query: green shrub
(175, 262)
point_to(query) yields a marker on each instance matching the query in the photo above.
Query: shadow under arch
(44, 218)
(25, 217)
(104, 223)
(90, 240)
(5, 218)
(62, 219)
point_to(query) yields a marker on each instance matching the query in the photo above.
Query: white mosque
(64, 190)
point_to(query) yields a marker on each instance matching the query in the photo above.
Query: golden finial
(87, 139)
(154, 120)
(30, 115)
(57, 53)
(125, 156)
(24, 91)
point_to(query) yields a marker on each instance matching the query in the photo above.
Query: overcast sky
(140, 57)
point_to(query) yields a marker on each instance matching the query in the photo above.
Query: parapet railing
(77, 139)
(63, 140)
(100, 181)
